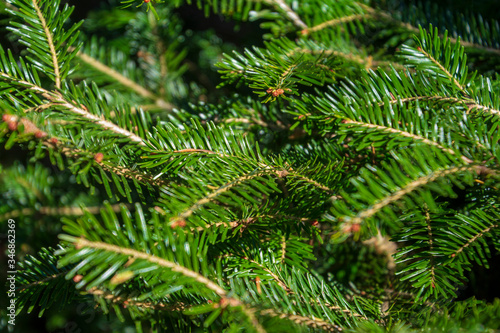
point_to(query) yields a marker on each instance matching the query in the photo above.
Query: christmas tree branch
(125, 81)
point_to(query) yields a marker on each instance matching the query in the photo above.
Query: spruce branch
(334, 22)
(49, 45)
(387, 16)
(124, 81)
(450, 76)
(132, 301)
(431, 248)
(57, 211)
(181, 217)
(303, 320)
(366, 61)
(58, 99)
(50, 42)
(49, 278)
(291, 15)
(414, 137)
(228, 236)
(80, 243)
(474, 239)
(292, 173)
(409, 188)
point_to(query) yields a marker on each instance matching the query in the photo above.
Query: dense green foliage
(339, 172)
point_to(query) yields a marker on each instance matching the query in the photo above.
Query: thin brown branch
(81, 111)
(473, 106)
(133, 174)
(283, 248)
(72, 152)
(246, 121)
(469, 102)
(248, 221)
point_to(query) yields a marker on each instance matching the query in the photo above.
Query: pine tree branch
(366, 61)
(80, 243)
(50, 42)
(36, 283)
(294, 173)
(290, 292)
(406, 134)
(334, 22)
(125, 81)
(134, 174)
(292, 16)
(186, 213)
(248, 221)
(473, 106)
(431, 247)
(409, 27)
(59, 100)
(81, 111)
(412, 186)
(224, 155)
(72, 152)
(224, 302)
(274, 276)
(58, 211)
(119, 170)
(473, 239)
(444, 70)
(126, 302)
(303, 320)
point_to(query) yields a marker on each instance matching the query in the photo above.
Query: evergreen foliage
(341, 175)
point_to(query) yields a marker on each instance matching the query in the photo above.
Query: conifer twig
(303, 320)
(334, 22)
(408, 135)
(414, 29)
(282, 5)
(58, 99)
(50, 42)
(64, 210)
(82, 242)
(412, 186)
(124, 80)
